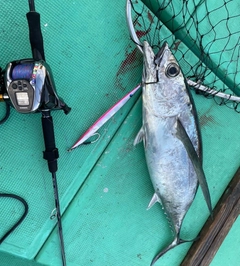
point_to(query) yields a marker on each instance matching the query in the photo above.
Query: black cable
(5, 195)
(2, 93)
(7, 113)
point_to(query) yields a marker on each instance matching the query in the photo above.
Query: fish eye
(172, 70)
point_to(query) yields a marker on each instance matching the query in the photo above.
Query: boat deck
(104, 187)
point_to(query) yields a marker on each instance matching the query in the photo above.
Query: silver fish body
(171, 137)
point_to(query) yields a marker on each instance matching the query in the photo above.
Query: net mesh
(203, 36)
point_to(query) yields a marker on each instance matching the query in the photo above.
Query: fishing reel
(29, 87)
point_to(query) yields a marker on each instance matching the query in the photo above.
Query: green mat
(104, 187)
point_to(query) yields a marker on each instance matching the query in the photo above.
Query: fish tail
(176, 242)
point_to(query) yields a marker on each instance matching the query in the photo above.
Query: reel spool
(22, 71)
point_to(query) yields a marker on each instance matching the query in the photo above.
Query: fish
(91, 131)
(172, 140)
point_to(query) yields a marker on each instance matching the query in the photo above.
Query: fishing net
(204, 38)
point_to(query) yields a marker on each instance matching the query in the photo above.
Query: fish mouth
(159, 55)
(152, 61)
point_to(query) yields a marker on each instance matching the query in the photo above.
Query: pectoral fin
(183, 136)
(140, 137)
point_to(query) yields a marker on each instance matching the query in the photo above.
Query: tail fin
(177, 241)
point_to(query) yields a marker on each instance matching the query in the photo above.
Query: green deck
(104, 187)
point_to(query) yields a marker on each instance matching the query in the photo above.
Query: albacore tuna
(171, 138)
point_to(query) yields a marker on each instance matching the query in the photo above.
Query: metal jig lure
(103, 119)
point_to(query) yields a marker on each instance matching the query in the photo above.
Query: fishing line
(23, 71)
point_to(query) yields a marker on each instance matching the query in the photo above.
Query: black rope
(5, 195)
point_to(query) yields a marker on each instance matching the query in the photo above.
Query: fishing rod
(31, 5)
(51, 153)
(28, 86)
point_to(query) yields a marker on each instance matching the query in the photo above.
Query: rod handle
(35, 35)
(51, 153)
